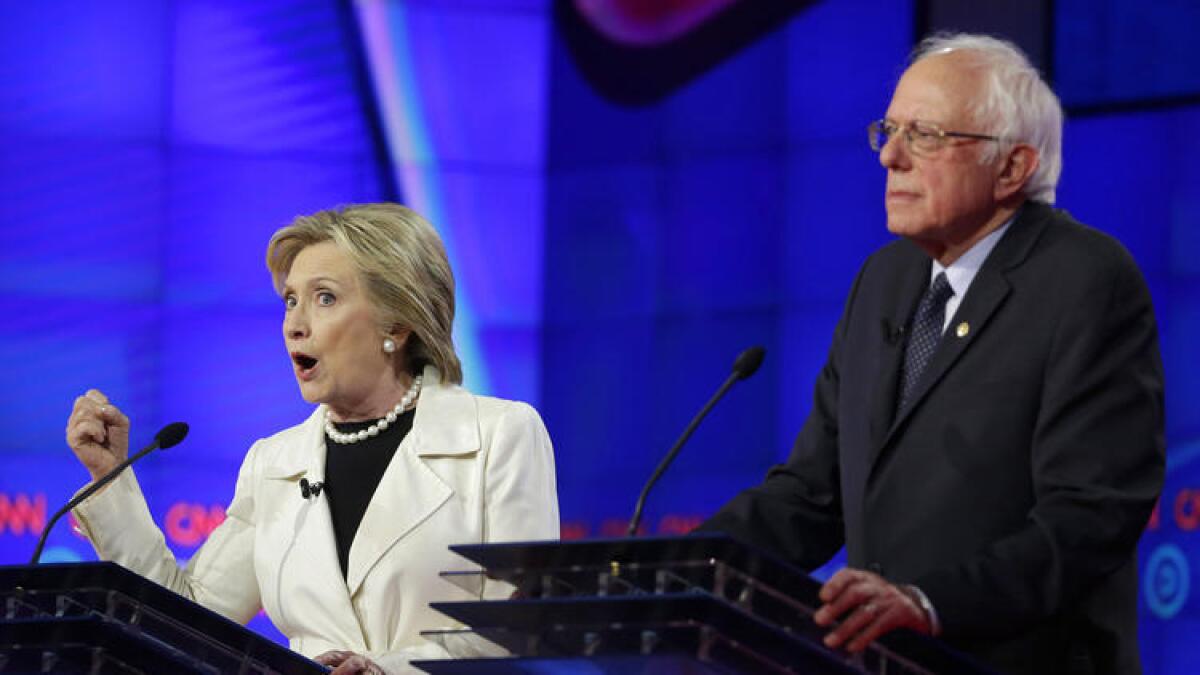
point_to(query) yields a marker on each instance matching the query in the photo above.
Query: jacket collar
(445, 425)
(445, 420)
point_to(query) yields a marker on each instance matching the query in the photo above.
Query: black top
(353, 471)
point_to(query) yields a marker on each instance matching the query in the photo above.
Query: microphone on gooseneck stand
(167, 437)
(746, 364)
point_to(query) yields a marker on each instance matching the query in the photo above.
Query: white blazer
(472, 469)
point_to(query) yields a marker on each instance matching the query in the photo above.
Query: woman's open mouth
(305, 365)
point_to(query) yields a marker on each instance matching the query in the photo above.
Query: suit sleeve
(797, 509)
(219, 576)
(1097, 462)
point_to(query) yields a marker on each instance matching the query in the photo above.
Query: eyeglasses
(922, 138)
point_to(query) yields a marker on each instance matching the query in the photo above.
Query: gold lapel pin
(962, 329)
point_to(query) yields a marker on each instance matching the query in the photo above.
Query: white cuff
(926, 606)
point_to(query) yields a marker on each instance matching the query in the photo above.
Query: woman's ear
(395, 347)
(399, 337)
(1018, 168)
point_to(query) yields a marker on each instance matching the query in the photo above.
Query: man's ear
(1018, 168)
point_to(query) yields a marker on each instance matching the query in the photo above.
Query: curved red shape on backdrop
(648, 24)
(636, 52)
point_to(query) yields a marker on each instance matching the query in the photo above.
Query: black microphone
(308, 489)
(167, 437)
(746, 364)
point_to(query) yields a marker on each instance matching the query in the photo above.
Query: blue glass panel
(584, 129)
(1180, 328)
(603, 243)
(266, 76)
(844, 58)
(1184, 174)
(718, 237)
(513, 353)
(806, 335)
(608, 426)
(497, 218)
(1132, 202)
(835, 218)
(724, 110)
(81, 219)
(84, 70)
(58, 349)
(481, 110)
(1122, 50)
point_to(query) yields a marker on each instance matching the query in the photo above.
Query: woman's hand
(98, 433)
(348, 663)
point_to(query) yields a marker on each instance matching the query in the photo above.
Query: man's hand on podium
(864, 606)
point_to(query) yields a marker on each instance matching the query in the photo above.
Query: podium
(103, 618)
(693, 604)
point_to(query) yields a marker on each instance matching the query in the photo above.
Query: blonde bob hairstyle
(403, 263)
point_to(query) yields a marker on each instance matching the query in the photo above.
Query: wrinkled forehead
(940, 88)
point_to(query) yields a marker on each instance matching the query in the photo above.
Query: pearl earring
(389, 345)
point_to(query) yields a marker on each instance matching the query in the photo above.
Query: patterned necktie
(924, 335)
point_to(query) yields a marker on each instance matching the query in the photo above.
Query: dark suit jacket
(1013, 488)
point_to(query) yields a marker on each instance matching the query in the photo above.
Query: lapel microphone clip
(308, 489)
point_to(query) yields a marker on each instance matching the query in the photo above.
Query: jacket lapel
(410, 491)
(987, 292)
(310, 522)
(902, 298)
(986, 295)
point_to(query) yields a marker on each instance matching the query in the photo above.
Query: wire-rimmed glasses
(922, 138)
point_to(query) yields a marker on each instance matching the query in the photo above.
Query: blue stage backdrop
(618, 237)
(150, 150)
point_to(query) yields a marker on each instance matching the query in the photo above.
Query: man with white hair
(986, 437)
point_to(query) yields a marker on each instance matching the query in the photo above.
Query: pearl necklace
(375, 429)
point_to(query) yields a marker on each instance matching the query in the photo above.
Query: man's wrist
(918, 596)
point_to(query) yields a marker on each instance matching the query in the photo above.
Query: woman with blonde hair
(340, 524)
